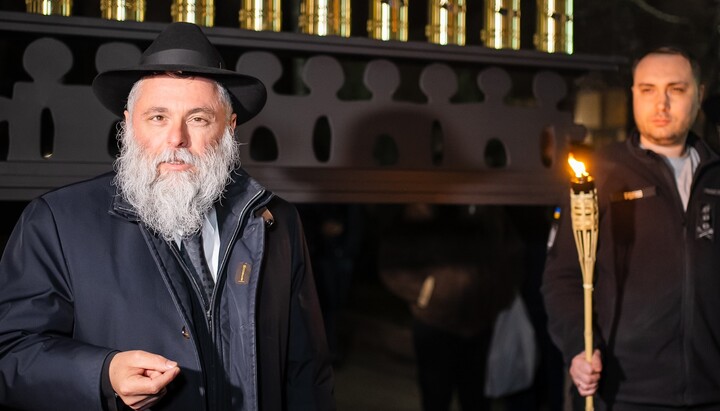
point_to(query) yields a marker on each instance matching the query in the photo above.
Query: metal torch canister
(260, 15)
(584, 217)
(502, 24)
(388, 20)
(200, 12)
(49, 7)
(554, 32)
(446, 22)
(123, 10)
(325, 17)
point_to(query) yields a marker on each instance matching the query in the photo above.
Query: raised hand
(140, 378)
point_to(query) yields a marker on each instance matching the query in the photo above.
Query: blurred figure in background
(456, 267)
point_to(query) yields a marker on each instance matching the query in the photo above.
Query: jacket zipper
(686, 312)
(213, 305)
(685, 304)
(188, 273)
(226, 255)
(688, 285)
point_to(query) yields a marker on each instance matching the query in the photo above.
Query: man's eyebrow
(158, 109)
(672, 83)
(155, 109)
(206, 110)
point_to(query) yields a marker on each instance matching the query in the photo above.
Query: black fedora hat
(182, 48)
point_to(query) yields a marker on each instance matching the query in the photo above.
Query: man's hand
(586, 375)
(139, 378)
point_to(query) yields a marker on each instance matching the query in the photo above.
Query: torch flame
(578, 167)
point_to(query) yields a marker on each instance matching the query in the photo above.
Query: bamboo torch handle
(584, 217)
(588, 290)
(588, 338)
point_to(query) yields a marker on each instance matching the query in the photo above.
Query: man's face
(173, 113)
(666, 99)
(177, 153)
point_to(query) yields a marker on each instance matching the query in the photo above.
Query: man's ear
(233, 121)
(127, 116)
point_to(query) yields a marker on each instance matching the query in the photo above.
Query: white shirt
(684, 168)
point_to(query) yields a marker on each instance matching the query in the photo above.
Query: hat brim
(248, 93)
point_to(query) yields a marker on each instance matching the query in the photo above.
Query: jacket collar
(707, 155)
(242, 193)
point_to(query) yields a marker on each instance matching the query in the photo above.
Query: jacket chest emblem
(704, 228)
(634, 194)
(242, 274)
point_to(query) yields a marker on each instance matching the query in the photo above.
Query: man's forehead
(663, 69)
(166, 91)
(175, 81)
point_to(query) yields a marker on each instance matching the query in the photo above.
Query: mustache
(174, 155)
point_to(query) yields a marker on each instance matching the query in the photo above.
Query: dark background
(374, 355)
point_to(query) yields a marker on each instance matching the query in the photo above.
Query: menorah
(387, 19)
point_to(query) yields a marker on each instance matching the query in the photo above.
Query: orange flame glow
(578, 167)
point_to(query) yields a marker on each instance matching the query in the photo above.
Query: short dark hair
(672, 51)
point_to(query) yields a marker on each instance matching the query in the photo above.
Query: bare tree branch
(659, 14)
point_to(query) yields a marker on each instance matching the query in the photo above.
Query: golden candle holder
(325, 17)
(200, 12)
(49, 7)
(502, 24)
(260, 15)
(446, 22)
(554, 33)
(388, 20)
(123, 10)
(584, 215)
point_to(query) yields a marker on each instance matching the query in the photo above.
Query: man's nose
(178, 136)
(663, 101)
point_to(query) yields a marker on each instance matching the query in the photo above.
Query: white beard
(174, 204)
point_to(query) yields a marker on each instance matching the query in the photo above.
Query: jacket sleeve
(41, 366)
(310, 381)
(562, 290)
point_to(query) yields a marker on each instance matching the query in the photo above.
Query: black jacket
(81, 277)
(657, 280)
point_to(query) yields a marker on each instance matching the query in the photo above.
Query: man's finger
(150, 361)
(142, 385)
(142, 392)
(135, 375)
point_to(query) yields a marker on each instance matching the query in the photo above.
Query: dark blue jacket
(81, 278)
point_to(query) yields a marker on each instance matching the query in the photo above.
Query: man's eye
(157, 117)
(678, 90)
(199, 120)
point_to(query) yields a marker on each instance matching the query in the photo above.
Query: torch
(584, 213)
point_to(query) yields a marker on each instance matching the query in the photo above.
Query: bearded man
(177, 282)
